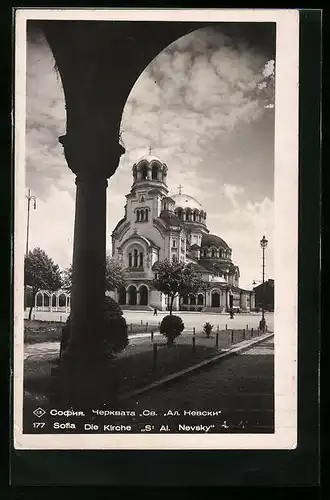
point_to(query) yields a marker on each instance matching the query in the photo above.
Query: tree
(176, 278)
(41, 273)
(114, 275)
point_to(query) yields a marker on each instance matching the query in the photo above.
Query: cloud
(203, 107)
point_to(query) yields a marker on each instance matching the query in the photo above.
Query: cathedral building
(157, 226)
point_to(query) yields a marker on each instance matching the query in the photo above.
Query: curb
(194, 368)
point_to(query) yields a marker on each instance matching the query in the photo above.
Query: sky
(205, 105)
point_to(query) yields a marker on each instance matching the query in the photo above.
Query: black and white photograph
(156, 215)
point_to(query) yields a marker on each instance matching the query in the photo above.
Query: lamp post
(29, 199)
(263, 244)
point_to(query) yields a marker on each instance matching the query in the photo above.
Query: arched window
(144, 172)
(146, 213)
(130, 259)
(192, 300)
(142, 215)
(141, 259)
(205, 252)
(185, 299)
(221, 253)
(137, 215)
(212, 253)
(154, 174)
(200, 299)
(135, 263)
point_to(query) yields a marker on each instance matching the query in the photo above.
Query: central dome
(186, 201)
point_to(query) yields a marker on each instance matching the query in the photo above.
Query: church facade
(157, 226)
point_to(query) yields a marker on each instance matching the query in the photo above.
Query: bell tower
(148, 189)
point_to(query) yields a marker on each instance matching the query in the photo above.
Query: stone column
(83, 375)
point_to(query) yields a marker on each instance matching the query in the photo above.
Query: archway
(132, 295)
(200, 299)
(144, 293)
(54, 304)
(192, 300)
(122, 296)
(154, 172)
(215, 301)
(84, 49)
(62, 300)
(39, 299)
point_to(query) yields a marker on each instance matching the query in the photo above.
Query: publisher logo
(39, 412)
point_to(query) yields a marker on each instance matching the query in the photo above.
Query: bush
(115, 328)
(171, 326)
(207, 329)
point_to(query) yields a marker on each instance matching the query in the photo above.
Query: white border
(286, 236)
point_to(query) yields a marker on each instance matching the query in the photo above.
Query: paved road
(242, 387)
(190, 319)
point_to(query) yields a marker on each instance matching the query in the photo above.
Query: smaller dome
(186, 201)
(213, 239)
(149, 159)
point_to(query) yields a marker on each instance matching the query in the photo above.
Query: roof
(214, 265)
(199, 269)
(149, 159)
(186, 201)
(213, 239)
(170, 218)
(119, 223)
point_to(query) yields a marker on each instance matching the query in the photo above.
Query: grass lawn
(36, 331)
(134, 367)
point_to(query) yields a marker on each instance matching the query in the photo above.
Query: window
(137, 215)
(130, 260)
(213, 253)
(135, 264)
(141, 259)
(142, 215)
(146, 212)
(154, 172)
(173, 243)
(144, 172)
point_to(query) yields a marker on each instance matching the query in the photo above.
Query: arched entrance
(122, 296)
(143, 295)
(132, 295)
(39, 299)
(215, 301)
(62, 300)
(200, 299)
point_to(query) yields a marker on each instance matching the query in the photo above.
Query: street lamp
(29, 199)
(263, 244)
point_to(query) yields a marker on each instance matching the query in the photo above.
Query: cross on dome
(180, 189)
(150, 150)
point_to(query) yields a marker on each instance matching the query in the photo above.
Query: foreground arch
(89, 56)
